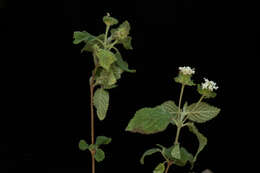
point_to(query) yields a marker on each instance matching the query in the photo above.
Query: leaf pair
(99, 153)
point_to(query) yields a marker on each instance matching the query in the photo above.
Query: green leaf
(103, 140)
(176, 153)
(89, 46)
(99, 155)
(149, 120)
(122, 31)
(171, 107)
(205, 92)
(101, 101)
(106, 58)
(108, 20)
(202, 113)
(83, 145)
(106, 79)
(184, 79)
(122, 64)
(117, 71)
(185, 157)
(82, 36)
(148, 153)
(127, 43)
(201, 138)
(159, 169)
(92, 147)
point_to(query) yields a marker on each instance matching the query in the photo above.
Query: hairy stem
(177, 134)
(92, 87)
(107, 28)
(168, 166)
(181, 94)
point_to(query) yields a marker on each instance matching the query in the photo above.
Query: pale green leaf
(127, 43)
(149, 120)
(103, 140)
(117, 71)
(122, 64)
(82, 36)
(202, 112)
(148, 153)
(89, 46)
(176, 153)
(185, 157)
(108, 20)
(159, 168)
(83, 145)
(106, 79)
(171, 107)
(99, 155)
(184, 79)
(101, 101)
(106, 58)
(201, 138)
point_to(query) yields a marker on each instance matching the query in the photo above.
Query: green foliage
(176, 153)
(91, 44)
(101, 101)
(106, 58)
(122, 31)
(202, 112)
(149, 152)
(82, 36)
(103, 140)
(122, 64)
(185, 157)
(99, 155)
(170, 107)
(184, 79)
(83, 145)
(149, 120)
(159, 168)
(108, 20)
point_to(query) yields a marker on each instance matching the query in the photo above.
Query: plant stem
(107, 28)
(181, 94)
(168, 166)
(112, 45)
(177, 135)
(92, 87)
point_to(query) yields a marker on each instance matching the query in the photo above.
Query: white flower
(187, 70)
(210, 85)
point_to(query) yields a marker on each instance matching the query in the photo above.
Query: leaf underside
(149, 152)
(101, 102)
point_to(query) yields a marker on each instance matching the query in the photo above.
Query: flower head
(209, 85)
(187, 70)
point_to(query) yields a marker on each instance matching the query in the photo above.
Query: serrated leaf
(89, 46)
(171, 107)
(106, 58)
(176, 153)
(127, 43)
(101, 101)
(122, 31)
(148, 153)
(82, 36)
(106, 79)
(99, 155)
(103, 140)
(122, 64)
(202, 112)
(149, 120)
(159, 168)
(185, 157)
(117, 71)
(201, 138)
(83, 145)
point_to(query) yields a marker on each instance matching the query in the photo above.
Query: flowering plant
(108, 68)
(156, 119)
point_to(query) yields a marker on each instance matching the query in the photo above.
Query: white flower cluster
(187, 70)
(210, 85)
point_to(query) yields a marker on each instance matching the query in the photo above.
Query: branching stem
(168, 166)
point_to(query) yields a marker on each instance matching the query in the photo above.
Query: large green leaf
(83, 145)
(101, 140)
(185, 157)
(159, 168)
(202, 113)
(171, 107)
(201, 138)
(101, 101)
(82, 36)
(176, 153)
(149, 120)
(149, 152)
(106, 58)
(123, 64)
(99, 155)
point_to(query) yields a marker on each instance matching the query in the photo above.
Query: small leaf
(148, 153)
(176, 153)
(160, 168)
(106, 79)
(123, 64)
(92, 147)
(101, 101)
(103, 140)
(201, 138)
(89, 46)
(99, 155)
(184, 79)
(83, 145)
(122, 31)
(106, 58)
(127, 43)
(82, 36)
(185, 157)
(202, 112)
(117, 71)
(108, 20)
(149, 120)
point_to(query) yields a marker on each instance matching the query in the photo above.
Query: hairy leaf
(171, 107)
(103, 140)
(108, 20)
(83, 145)
(149, 120)
(123, 64)
(106, 79)
(101, 101)
(122, 31)
(99, 155)
(176, 153)
(148, 153)
(202, 112)
(201, 138)
(160, 168)
(117, 71)
(106, 58)
(185, 157)
(89, 46)
(82, 36)
(127, 43)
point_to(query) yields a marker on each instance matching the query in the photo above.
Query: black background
(47, 94)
